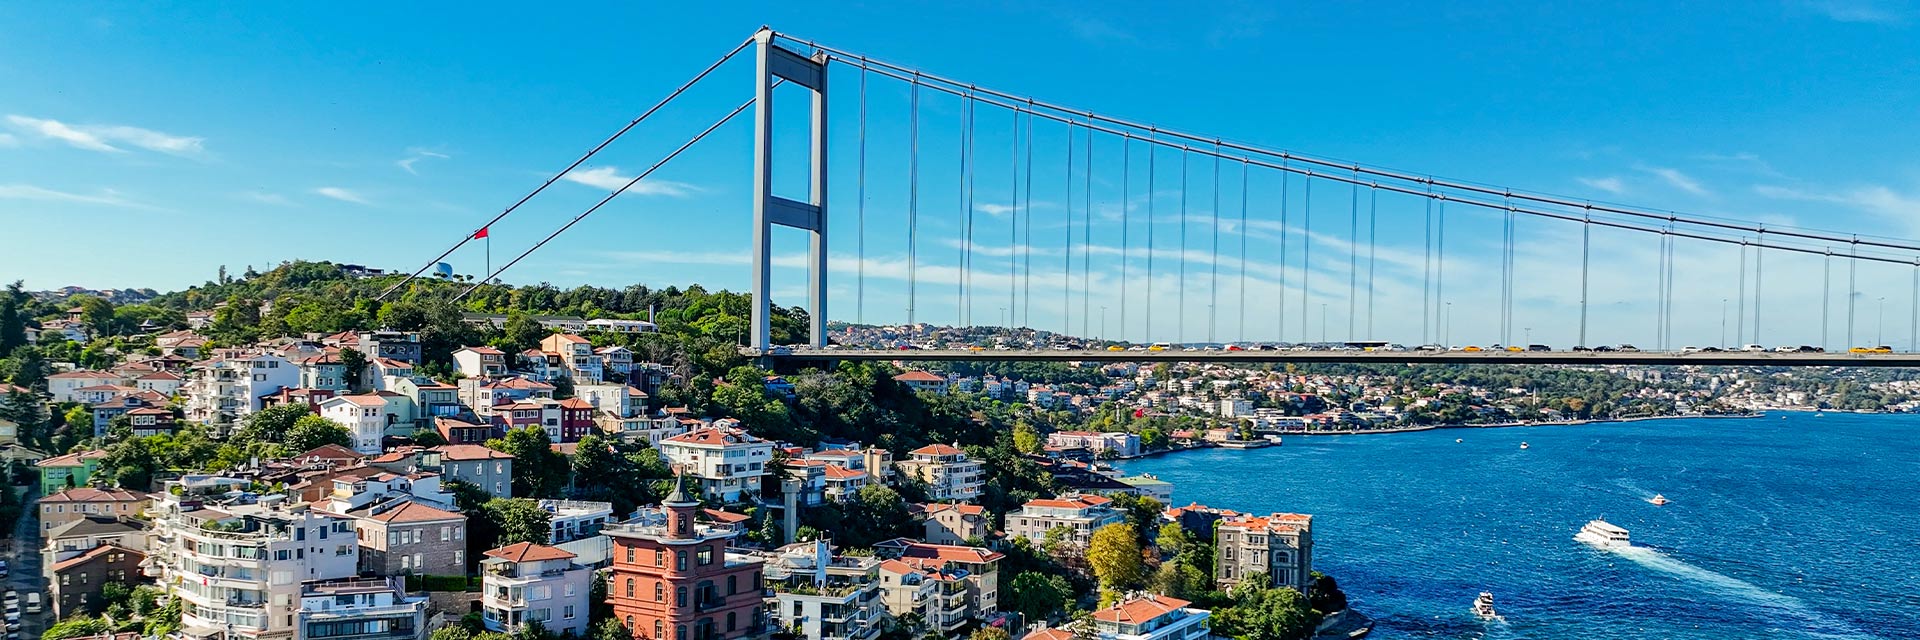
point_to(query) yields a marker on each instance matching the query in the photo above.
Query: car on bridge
(1810, 349)
(1540, 347)
(1879, 349)
(1627, 348)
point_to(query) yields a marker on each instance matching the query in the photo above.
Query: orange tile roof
(1139, 610)
(963, 509)
(485, 351)
(1070, 502)
(1281, 522)
(725, 517)
(842, 473)
(90, 555)
(937, 450)
(90, 494)
(528, 552)
(330, 452)
(919, 376)
(72, 459)
(469, 452)
(1055, 633)
(365, 399)
(415, 512)
(713, 437)
(923, 553)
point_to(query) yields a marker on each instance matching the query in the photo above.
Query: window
(679, 596)
(568, 611)
(630, 553)
(660, 591)
(680, 632)
(680, 560)
(630, 588)
(459, 558)
(659, 630)
(730, 620)
(733, 585)
(659, 557)
(706, 556)
(446, 533)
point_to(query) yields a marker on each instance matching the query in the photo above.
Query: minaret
(680, 508)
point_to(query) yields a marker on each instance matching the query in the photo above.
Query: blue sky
(146, 145)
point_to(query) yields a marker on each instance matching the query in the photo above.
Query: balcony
(365, 612)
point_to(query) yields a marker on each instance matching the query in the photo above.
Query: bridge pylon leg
(774, 63)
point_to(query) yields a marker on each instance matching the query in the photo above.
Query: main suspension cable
(563, 172)
(610, 196)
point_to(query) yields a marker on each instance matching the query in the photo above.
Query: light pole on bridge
(1446, 328)
(1103, 322)
(1879, 330)
(1723, 323)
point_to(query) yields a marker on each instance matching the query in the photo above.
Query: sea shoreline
(1436, 427)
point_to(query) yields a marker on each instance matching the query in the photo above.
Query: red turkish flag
(482, 233)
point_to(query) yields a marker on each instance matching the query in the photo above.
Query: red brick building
(672, 578)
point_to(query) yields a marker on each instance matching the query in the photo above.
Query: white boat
(1458, 440)
(1483, 606)
(1603, 534)
(1659, 499)
(1523, 445)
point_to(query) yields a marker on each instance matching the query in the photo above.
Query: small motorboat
(1523, 445)
(1458, 440)
(1659, 500)
(1483, 606)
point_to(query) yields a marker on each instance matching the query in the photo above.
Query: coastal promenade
(1723, 358)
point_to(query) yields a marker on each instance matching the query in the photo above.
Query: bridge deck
(1731, 358)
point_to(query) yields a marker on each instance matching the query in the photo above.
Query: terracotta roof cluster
(73, 459)
(1075, 501)
(90, 494)
(713, 437)
(528, 552)
(413, 512)
(918, 376)
(1278, 522)
(937, 450)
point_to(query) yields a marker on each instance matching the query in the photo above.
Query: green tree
(1026, 439)
(356, 366)
(13, 322)
(1038, 596)
(538, 470)
(518, 520)
(1260, 611)
(1114, 554)
(98, 314)
(1172, 539)
(311, 432)
(522, 332)
(428, 438)
(79, 416)
(76, 627)
(609, 628)
(272, 424)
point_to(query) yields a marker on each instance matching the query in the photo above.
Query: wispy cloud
(263, 197)
(7, 140)
(610, 178)
(1861, 11)
(1098, 30)
(1876, 199)
(1677, 179)
(343, 195)
(1609, 184)
(1742, 161)
(103, 138)
(107, 197)
(417, 154)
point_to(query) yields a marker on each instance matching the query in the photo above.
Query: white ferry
(1483, 606)
(1603, 534)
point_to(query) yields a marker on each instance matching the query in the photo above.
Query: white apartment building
(576, 356)
(480, 362)
(361, 609)
(1079, 514)
(1151, 617)
(946, 470)
(727, 463)
(231, 386)
(364, 415)
(1121, 443)
(237, 560)
(826, 597)
(526, 582)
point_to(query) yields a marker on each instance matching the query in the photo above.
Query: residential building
(237, 559)
(1151, 617)
(615, 325)
(843, 484)
(616, 361)
(1079, 514)
(1279, 545)
(725, 463)
(151, 421)
(77, 581)
(982, 567)
(485, 394)
(614, 399)
(80, 536)
(954, 523)
(80, 502)
(824, 596)
(120, 404)
(526, 582)
(1147, 485)
(457, 431)
(403, 346)
(430, 399)
(364, 415)
(1111, 444)
(165, 383)
(491, 471)
(65, 386)
(672, 577)
(480, 362)
(323, 370)
(229, 387)
(946, 470)
(877, 462)
(407, 536)
(937, 595)
(923, 381)
(576, 357)
(361, 609)
(75, 469)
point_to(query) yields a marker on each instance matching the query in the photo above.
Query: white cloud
(266, 198)
(1609, 184)
(102, 137)
(1894, 206)
(342, 195)
(1677, 179)
(106, 197)
(417, 154)
(1866, 11)
(7, 140)
(995, 210)
(610, 178)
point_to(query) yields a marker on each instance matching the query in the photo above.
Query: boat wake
(1817, 623)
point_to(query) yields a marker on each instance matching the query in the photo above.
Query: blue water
(1802, 527)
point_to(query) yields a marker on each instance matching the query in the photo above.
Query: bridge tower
(775, 62)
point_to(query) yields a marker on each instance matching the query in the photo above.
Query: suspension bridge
(972, 208)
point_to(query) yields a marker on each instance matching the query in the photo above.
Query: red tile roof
(713, 437)
(414, 512)
(72, 459)
(461, 452)
(485, 351)
(90, 494)
(330, 452)
(1139, 610)
(937, 450)
(92, 554)
(1069, 502)
(918, 376)
(1055, 633)
(528, 552)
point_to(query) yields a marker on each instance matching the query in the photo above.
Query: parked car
(33, 602)
(1627, 348)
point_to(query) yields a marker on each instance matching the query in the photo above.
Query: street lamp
(1103, 322)
(1723, 323)
(1529, 334)
(1878, 331)
(1446, 328)
(1323, 322)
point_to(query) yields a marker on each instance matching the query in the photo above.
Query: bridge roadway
(1725, 358)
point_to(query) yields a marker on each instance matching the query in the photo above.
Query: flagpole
(489, 272)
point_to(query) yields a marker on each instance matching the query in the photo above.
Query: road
(1727, 358)
(23, 559)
